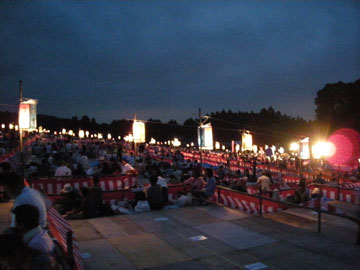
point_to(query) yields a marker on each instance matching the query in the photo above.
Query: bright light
(273, 148)
(16, 127)
(129, 138)
(223, 147)
(152, 141)
(138, 132)
(217, 145)
(176, 142)
(205, 137)
(71, 132)
(255, 148)
(2, 125)
(109, 136)
(237, 148)
(87, 133)
(304, 148)
(92, 136)
(63, 131)
(11, 126)
(294, 147)
(55, 133)
(187, 145)
(119, 137)
(81, 134)
(100, 136)
(246, 141)
(323, 149)
(281, 150)
(192, 144)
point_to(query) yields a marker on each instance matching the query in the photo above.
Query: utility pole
(22, 165)
(201, 139)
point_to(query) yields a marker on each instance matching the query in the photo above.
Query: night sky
(164, 59)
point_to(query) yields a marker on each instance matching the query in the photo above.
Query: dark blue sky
(164, 59)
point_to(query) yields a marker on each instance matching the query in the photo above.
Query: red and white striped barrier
(55, 186)
(59, 228)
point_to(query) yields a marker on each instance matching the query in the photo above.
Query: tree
(338, 105)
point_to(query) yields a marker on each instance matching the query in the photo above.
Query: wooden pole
(201, 140)
(22, 165)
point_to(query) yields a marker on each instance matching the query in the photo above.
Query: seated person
(164, 187)
(154, 194)
(15, 254)
(95, 192)
(71, 199)
(27, 224)
(15, 186)
(301, 193)
(316, 192)
(209, 189)
(87, 208)
(126, 167)
(195, 182)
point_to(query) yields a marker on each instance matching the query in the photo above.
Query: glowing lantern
(192, 144)
(246, 142)
(2, 125)
(27, 114)
(100, 136)
(138, 132)
(81, 134)
(119, 137)
(205, 137)
(294, 147)
(87, 133)
(255, 148)
(55, 133)
(176, 142)
(71, 132)
(223, 147)
(109, 136)
(217, 145)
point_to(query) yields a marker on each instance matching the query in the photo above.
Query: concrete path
(213, 237)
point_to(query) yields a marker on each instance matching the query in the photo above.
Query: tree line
(337, 106)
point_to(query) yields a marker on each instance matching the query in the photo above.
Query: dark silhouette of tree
(338, 105)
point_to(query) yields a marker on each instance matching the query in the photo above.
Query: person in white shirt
(62, 170)
(126, 167)
(16, 188)
(27, 223)
(264, 182)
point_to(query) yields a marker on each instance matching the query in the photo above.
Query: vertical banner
(205, 137)
(27, 114)
(138, 132)
(246, 142)
(304, 148)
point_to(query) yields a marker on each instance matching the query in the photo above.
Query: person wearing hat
(71, 200)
